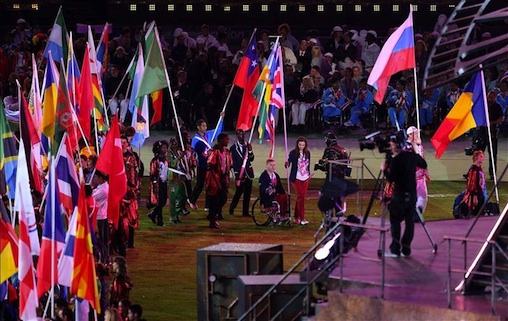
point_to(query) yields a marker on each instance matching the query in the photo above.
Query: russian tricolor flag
(397, 54)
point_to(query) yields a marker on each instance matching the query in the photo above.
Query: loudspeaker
(252, 287)
(218, 268)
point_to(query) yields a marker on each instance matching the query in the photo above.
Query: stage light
(189, 7)
(264, 7)
(376, 8)
(461, 71)
(433, 8)
(415, 7)
(358, 7)
(320, 8)
(323, 252)
(339, 8)
(151, 7)
(451, 6)
(208, 7)
(301, 8)
(227, 8)
(171, 7)
(212, 278)
(35, 6)
(395, 8)
(245, 7)
(15, 6)
(133, 7)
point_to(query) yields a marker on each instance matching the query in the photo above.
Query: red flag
(86, 100)
(157, 106)
(246, 77)
(8, 246)
(84, 278)
(110, 162)
(32, 143)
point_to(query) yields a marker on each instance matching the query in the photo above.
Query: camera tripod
(419, 215)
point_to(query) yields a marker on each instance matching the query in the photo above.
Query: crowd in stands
(325, 79)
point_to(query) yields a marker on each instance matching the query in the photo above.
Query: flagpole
(285, 136)
(417, 104)
(229, 95)
(491, 148)
(53, 254)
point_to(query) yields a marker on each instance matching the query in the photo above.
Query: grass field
(163, 263)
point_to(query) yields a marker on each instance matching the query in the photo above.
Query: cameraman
(333, 151)
(402, 207)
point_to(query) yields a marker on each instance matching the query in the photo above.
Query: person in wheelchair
(271, 189)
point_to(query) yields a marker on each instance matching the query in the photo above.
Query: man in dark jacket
(241, 152)
(402, 206)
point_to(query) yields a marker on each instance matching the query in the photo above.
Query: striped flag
(73, 76)
(397, 54)
(84, 278)
(96, 84)
(66, 262)
(139, 107)
(28, 301)
(67, 177)
(53, 239)
(23, 199)
(50, 100)
(8, 246)
(57, 42)
(32, 144)
(64, 117)
(102, 50)
(35, 102)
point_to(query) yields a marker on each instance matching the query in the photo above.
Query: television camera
(381, 140)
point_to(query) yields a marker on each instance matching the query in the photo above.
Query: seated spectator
(308, 95)
(429, 104)
(399, 101)
(362, 104)
(332, 99)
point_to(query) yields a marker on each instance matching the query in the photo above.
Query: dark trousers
(402, 209)
(244, 188)
(215, 203)
(200, 183)
(163, 198)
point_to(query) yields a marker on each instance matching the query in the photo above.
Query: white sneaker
(192, 206)
(390, 254)
(349, 124)
(304, 222)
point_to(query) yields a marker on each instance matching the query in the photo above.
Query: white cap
(418, 36)
(20, 20)
(329, 54)
(313, 40)
(337, 28)
(411, 129)
(372, 32)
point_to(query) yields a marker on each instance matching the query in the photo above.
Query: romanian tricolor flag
(398, 54)
(468, 112)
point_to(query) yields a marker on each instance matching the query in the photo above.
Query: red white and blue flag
(246, 77)
(398, 54)
(67, 177)
(53, 240)
(66, 262)
(277, 100)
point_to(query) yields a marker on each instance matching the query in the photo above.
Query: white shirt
(100, 194)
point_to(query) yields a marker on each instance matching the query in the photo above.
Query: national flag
(265, 81)
(468, 112)
(66, 262)
(86, 99)
(102, 50)
(96, 84)
(154, 76)
(32, 145)
(53, 239)
(64, 116)
(50, 100)
(84, 278)
(277, 99)
(8, 246)
(23, 196)
(57, 42)
(73, 76)
(8, 156)
(139, 107)
(157, 106)
(111, 163)
(246, 77)
(67, 177)
(28, 301)
(397, 54)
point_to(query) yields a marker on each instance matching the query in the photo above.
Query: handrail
(494, 280)
(333, 231)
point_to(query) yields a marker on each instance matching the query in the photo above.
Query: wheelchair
(264, 218)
